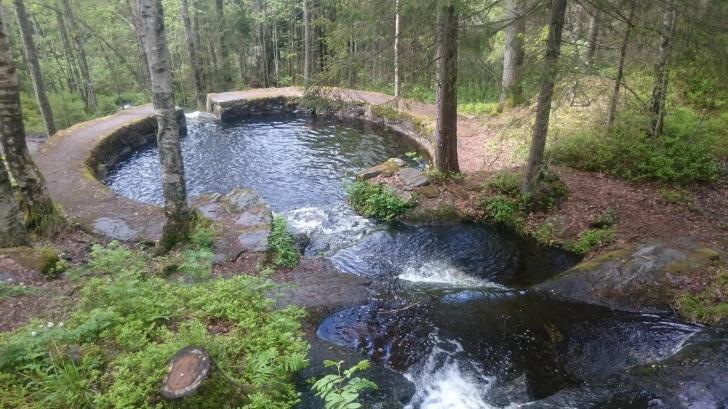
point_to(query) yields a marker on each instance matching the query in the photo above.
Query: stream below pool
(448, 323)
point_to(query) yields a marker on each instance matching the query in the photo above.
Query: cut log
(186, 371)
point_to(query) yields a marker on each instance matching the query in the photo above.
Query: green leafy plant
(504, 210)
(281, 251)
(342, 389)
(377, 201)
(592, 238)
(438, 177)
(8, 290)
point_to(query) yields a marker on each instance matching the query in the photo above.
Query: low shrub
(113, 349)
(504, 210)
(377, 201)
(708, 305)
(281, 251)
(341, 390)
(591, 239)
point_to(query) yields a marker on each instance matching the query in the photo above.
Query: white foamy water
(199, 114)
(444, 273)
(447, 380)
(328, 230)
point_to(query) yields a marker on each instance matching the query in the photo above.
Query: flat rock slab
(114, 228)
(243, 218)
(412, 178)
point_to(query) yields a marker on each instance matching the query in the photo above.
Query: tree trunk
(592, 36)
(446, 145)
(136, 20)
(82, 61)
(70, 58)
(170, 154)
(306, 43)
(511, 90)
(222, 54)
(620, 67)
(12, 232)
(35, 203)
(534, 166)
(659, 90)
(396, 49)
(200, 95)
(26, 32)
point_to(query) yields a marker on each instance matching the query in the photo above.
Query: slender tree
(396, 48)
(511, 89)
(69, 55)
(12, 232)
(446, 145)
(222, 54)
(26, 32)
(620, 67)
(306, 42)
(659, 89)
(535, 164)
(170, 153)
(35, 203)
(136, 21)
(592, 37)
(90, 93)
(197, 80)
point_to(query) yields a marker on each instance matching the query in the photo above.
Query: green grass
(591, 239)
(377, 201)
(8, 290)
(112, 350)
(281, 251)
(710, 304)
(478, 108)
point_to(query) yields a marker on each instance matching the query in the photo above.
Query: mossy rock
(39, 259)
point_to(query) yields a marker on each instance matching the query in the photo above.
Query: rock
(638, 278)
(428, 191)
(412, 178)
(384, 169)
(114, 228)
(243, 218)
(40, 259)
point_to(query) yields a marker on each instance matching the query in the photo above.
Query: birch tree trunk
(178, 213)
(534, 165)
(136, 20)
(396, 49)
(511, 89)
(222, 54)
(446, 144)
(12, 232)
(592, 37)
(306, 43)
(82, 61)
(659, 89)
(35, 203)
(611, 115)
(197, 81)
(26, 32)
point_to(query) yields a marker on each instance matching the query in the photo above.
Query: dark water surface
(291, 161)
(448, 323)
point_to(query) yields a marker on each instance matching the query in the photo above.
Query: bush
(112, 351)
(505, 210)
(689, 151)
(281, 251)
(591, 239)
(377, 201)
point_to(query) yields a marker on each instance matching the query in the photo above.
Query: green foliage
(58, 268)
(112, 351)
(197, 264)
(342, 390)
(377, 201)
(688, 152)
(505, 183)
(708, 305)
(478, 108)
(504, 210)
(8, 290)
(281, 251)
(591, 239)
(437, 177)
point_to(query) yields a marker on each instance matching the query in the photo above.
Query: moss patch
(40, 259)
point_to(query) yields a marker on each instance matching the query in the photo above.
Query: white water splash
(199, 114)
(328, 230)
(446, 380)
(445, 274)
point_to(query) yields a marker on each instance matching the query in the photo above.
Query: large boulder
(412, 178)
(642, 277)
(387, 168)
(243, 218)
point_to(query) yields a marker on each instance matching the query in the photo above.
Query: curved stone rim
(75, 159)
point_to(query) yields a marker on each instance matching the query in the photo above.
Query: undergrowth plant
(112, 350)
(591, 239)
(281, 250)
(377, 201)
(342, 389)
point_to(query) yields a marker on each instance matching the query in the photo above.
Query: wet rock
(412, 178)
(114, 228)
(387, 168)
(243, 218)
(638, 278)
(428, 191)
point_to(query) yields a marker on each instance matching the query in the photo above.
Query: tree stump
(186, 371)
